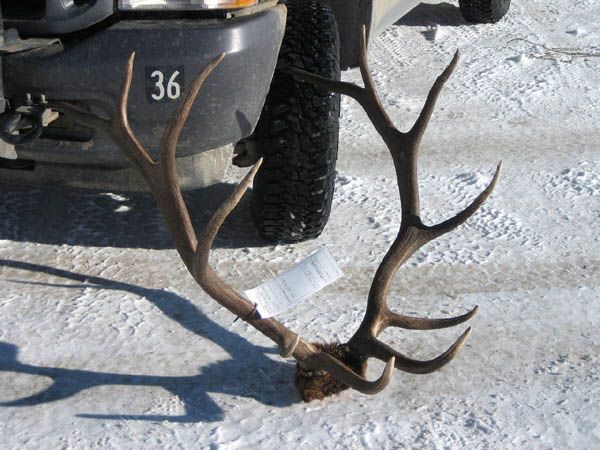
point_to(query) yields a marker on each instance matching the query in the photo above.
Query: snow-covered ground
(111, 344)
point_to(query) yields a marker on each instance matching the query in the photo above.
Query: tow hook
(26, 123)
(245, 153)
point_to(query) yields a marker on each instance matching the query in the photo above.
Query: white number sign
(163, 83)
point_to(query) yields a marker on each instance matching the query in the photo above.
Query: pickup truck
(76, 50)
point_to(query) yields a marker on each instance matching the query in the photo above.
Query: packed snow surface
(106, 342)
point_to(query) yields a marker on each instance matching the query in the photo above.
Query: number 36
(172, 90)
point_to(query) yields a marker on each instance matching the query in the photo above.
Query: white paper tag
(301, 281)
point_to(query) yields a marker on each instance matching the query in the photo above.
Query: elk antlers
(322, 369)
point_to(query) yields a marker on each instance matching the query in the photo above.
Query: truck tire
(297, 134)
(484, 11)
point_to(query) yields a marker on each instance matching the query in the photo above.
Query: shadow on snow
(76, 217)
(426, 14)
(269, 381)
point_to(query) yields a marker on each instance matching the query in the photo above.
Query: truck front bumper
(89, 72)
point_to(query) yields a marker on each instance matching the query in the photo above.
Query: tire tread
(298, 131)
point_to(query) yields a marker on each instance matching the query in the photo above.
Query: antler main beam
(413, 234)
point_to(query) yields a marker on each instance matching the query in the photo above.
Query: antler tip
(496, 176)
(451, 67)
(463, 338)
(384, 380)
(458, 345)
(363, 39)
(254, 170)
(474, 311)
(500, 166)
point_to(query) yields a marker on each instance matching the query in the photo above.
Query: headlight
(183, 5)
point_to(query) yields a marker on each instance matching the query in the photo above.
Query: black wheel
(297, 133)
(484, 11)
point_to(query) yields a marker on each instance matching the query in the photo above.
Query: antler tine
(86, 118)
(117, 126)
(341, 87)
(346, 375)
(122, 115)
(420, 125)
(461, 217)
(366, 96)
(179, 117)
(384, 352)
(372, 104)
(130, 144)
(214, 224)
(213, 284)
(418, 323)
